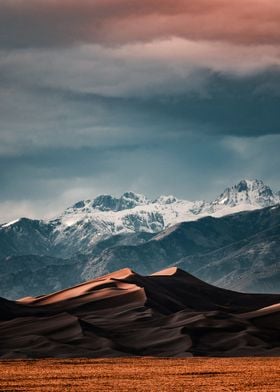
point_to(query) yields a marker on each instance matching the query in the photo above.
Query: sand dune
(170, 313)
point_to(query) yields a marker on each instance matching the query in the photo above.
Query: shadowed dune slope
(170, 313)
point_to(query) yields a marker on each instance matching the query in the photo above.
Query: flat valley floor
(141, 374)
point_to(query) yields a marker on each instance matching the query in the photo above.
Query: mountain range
(232, 242)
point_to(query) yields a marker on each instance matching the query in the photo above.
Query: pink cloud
(66, 22)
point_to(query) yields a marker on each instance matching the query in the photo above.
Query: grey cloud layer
(91, 96)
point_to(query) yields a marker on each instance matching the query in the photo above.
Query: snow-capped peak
(250, 192)
(89, 221)
(110, 203)
(168, 210)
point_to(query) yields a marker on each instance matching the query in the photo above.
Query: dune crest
(97, 288)
(167, 271)
(170, 313)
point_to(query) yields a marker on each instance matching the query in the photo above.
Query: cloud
(153, 68)
(154, 96)
(33, 23)
(94, 96)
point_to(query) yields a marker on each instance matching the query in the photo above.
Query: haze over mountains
(93, 237)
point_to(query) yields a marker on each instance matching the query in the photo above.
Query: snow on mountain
(248, 192)
(87, 222)
(109, 203)
(10, 223)
(93, 220)
(245, 196)
(107, 215)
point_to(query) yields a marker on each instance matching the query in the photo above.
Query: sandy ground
(142, 374)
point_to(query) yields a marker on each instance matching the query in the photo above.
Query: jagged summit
(111, 203)
(108, 215)
(246, 194)
(88, 222)
(251, 192)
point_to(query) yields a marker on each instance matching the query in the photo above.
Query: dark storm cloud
(247, 106)
(241, 107)
(89, 127)
(35, 117)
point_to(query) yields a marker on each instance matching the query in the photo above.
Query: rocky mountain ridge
(81, 227)
(239, 251)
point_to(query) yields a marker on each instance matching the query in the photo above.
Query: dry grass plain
(141, 374)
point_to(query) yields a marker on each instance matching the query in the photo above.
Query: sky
(153, 96)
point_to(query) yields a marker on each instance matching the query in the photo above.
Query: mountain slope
(25, 236)
(170, 313)
(38, 274)
(238, 251)
(249, 265)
